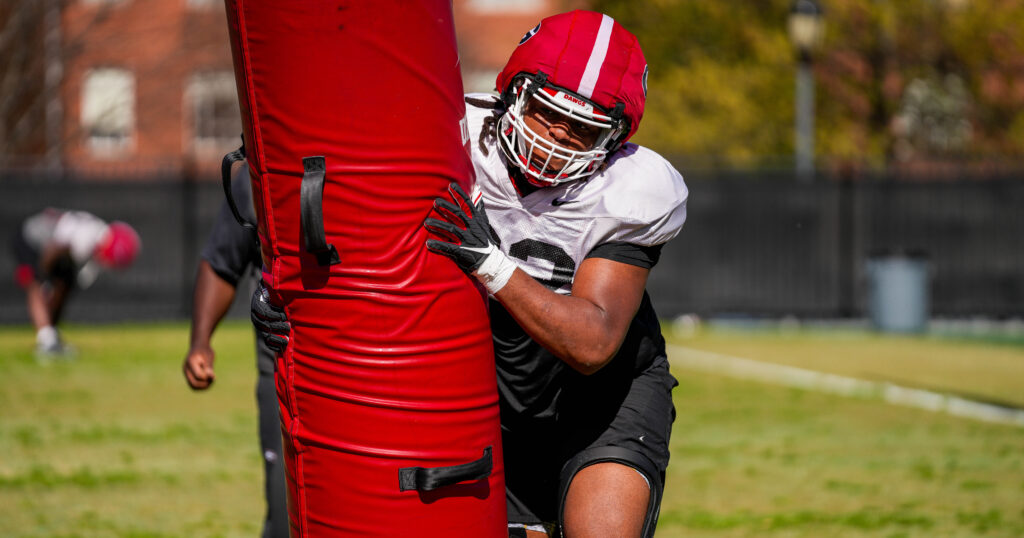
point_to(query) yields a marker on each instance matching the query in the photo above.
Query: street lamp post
(805, 32)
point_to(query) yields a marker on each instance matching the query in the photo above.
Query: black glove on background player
(465, 237)
(270, 321)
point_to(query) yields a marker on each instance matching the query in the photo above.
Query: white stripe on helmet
(593, 70)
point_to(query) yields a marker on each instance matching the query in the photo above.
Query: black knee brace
(624, 456)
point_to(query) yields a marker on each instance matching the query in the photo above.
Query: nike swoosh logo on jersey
(558, 202)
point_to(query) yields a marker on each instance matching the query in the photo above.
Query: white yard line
(792, 376)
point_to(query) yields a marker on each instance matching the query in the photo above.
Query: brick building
(148, 84)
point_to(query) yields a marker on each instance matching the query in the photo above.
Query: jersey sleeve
(232, 249)
(649, 206)
(628, 253)
(81, 232)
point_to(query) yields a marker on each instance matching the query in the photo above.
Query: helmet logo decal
(574, 100)
(643, 81)
(530, 34)
(597, 56)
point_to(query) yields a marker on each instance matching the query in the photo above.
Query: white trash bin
(898, 294)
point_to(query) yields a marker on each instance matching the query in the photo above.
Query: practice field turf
(115, 444)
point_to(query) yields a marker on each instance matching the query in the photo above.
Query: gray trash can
(898, 297)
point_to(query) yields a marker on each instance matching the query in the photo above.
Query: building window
(216, 121)
(108, 109)
(103, 2)
(506, 6)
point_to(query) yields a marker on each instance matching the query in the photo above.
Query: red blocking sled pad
(353, 123)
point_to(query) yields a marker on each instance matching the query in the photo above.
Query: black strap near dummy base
(312, 209)
(430, 478)
(225, 179)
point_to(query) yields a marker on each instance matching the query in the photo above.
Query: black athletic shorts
(637, 417)
(27, 258)
(24, 254)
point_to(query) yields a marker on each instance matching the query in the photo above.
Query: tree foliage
(21, 78)
(897, 80)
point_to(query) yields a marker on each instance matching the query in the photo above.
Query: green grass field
(115, 444)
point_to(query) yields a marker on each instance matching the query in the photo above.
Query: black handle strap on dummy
(225, 179)
(431, 478)
(312, 209)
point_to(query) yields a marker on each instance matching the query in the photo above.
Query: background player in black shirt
(230, 257)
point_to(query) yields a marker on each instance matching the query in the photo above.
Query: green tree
(898, 80)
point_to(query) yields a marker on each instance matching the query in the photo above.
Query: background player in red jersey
(565, 225)
(58, 251)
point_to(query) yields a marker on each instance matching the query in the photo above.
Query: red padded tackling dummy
(387, 388)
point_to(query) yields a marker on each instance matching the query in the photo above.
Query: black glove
(464, 236)
(270, 321)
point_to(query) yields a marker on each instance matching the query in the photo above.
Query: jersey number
(564, 266)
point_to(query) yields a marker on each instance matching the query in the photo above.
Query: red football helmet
(119, 246)
(586, 66)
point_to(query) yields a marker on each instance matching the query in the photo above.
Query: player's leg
(58, 292)
(45, 305)
(38, 310)
(27, 275)
(606, 499)
(275, 524)
(613, 486)
(610, 491)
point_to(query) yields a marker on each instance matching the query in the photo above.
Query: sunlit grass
(752, 459)
(115, 444)
(981, 370)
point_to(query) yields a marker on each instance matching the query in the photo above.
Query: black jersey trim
(629, 253)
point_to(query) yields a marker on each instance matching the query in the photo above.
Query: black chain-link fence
(775, 247)
(171, 214)
(753, 245)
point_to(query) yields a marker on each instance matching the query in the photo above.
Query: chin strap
(537, 81)
(620, 123)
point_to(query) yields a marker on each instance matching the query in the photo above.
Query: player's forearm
(211, 299)
(572, 328)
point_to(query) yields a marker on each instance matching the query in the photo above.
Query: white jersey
(79, 231)
(638, 199)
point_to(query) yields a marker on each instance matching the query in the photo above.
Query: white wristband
(495, 271)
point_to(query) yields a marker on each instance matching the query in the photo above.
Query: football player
(57, 251)
(230, 257)
(563, 228)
